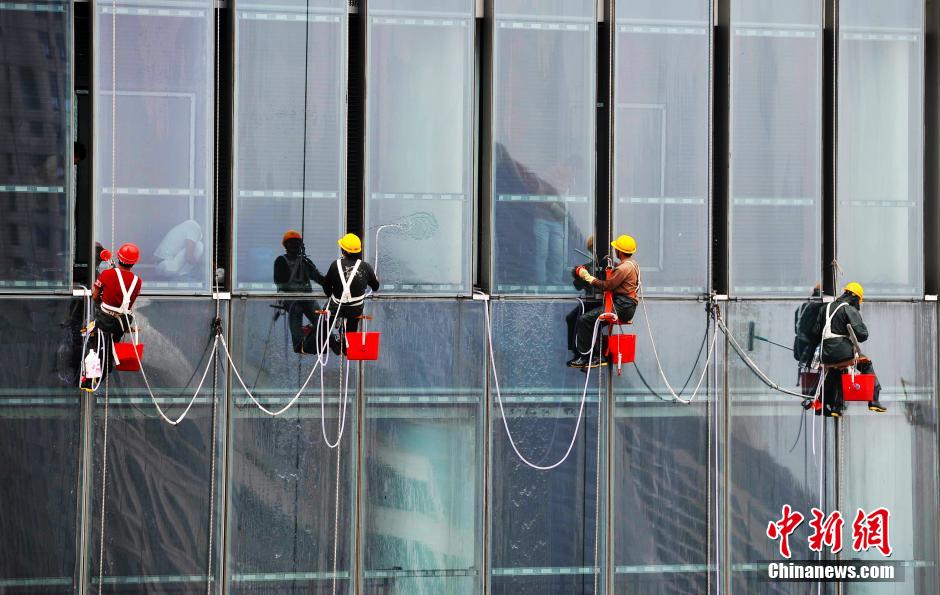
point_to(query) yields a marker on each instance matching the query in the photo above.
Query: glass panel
(880, 166)
(423, 450)
(662, 496)
(776, 53)
(661, 151)
(419, 146)
(544, 533)
(158, 482)
(290, 138)
(35, 105)
(773, 460)
(543, 142)
(40, 438)
(291, 517)
(162, 139)
(890, 459)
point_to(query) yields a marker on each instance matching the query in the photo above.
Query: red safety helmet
(129, 253)
(291, 234)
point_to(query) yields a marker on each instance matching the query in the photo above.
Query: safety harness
(827, 333)
(126, 292)
(346, 298)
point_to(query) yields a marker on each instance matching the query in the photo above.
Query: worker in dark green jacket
(831, 329)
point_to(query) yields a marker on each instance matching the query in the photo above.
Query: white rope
(104, 487)
(659, 365)
(303, 387)
(336, 519)
(499, 398)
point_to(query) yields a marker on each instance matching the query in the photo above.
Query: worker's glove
(584, 274)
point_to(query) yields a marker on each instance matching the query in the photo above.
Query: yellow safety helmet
(350, 243)
(625, 244)
(855, 288)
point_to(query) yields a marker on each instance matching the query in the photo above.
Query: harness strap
(126, 294)
(346, 298)
(827, 329)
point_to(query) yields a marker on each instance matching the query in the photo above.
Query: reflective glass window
(159, 486)
(772, 459)
(544, 534)
(662, 456)
(159, 194)
(880, 145)
(422, 504)
(890, 459)
(776, 57)
(40, 444)
(419, 144)
(35, 168)
(661, 146)
(290, 123)
(543, 100)
(292, 498)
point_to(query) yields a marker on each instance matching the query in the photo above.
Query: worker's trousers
(625, 307)
(572, 322)
(296, 310)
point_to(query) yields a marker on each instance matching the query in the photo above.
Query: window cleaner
(345, 283)
(114, 294)
(295, 273)
(623, 282)
(587, 301)
(836, 326)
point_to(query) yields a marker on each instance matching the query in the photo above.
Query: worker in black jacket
(345, 284)
(804, 319)
(295, 273)
(831, 329)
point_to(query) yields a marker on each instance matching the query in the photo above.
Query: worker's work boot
(876, 406)
(579, 362)
(596, 361)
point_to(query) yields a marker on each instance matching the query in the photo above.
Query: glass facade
(154, 96)
(661, 143)
(543, 103)
(405, 474)
(290, 132)
(419, 144)
(776, 146)
(880, 145)
(35, 157)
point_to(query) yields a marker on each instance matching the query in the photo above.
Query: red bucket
(362, 346)
(862, 389)
(125, 355)
(621, 348)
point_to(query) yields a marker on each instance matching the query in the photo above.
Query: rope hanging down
(499, 397)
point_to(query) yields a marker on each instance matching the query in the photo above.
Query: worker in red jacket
(115, 292)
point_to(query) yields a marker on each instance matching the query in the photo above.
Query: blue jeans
(549, 251)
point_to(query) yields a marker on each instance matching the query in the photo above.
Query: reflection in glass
(661, 142)
(776, 50)
(35, 68)
(423, 454)
(419, 145)
(159, 194)
(880, 165)
(543, 143)
(291, 514)
(40, 435)
(544, 526)
(289, 145)
(891, 458)
(159, 480)
(661, 465)
(771, 453)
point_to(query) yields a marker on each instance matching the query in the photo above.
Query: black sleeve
(331, 280)
(281, 271)
(858, 325)
(370, 275)
(314, 272)
(815, 333)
